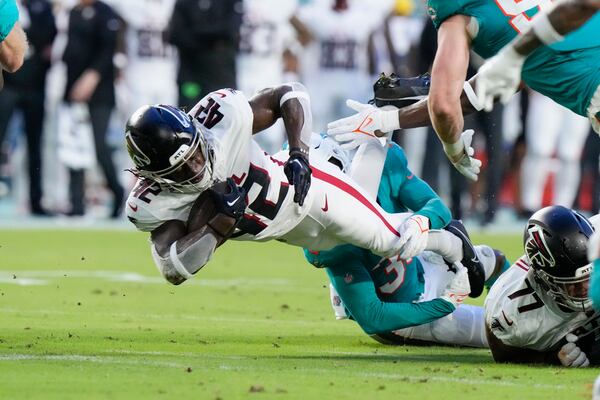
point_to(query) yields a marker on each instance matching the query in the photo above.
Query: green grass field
(85, 314)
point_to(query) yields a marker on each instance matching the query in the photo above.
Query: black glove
(298, 173)
(231, 201)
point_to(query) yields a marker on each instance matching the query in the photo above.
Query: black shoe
(470, 260)
(400, 92)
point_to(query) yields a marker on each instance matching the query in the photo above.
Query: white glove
(352, 140)
(369, 120)
(500, 77)
(570, 355)
(461, 155)
(413, 236)
(458, 288)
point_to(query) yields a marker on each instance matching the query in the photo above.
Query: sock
(445, 244)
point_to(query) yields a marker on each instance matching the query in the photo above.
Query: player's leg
(543, 127)
(570, 146)
(466, 325)
(345, 213)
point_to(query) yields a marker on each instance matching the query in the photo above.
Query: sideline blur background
(92, 63)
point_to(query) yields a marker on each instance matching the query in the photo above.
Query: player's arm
(413, 192)
(501, 75)
(180, 250)
(504, 353)
(566, 17)
(448, 74)
(373, 315)
(291, 103)
(13, 49)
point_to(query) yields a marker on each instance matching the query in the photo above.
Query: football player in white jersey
(179, 156)
(539, 311)
(334, 65)
(150, 64)
(265, 34)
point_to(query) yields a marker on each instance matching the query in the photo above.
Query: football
(205, 212)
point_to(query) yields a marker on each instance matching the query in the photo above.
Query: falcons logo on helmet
(537, 250)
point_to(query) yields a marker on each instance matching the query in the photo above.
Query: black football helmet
(556, 240)
(161, 140)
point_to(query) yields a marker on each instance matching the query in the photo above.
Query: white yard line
(253, 368)
(137, 316)
(32, 277)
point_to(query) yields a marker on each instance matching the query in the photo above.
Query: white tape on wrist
(545, 31)
(473, 99)
(293, 95)
(389, 120)
(453, 149)
(181, 269)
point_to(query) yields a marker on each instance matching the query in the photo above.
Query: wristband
(389, 120)
(545, 31)
(473, 99)
(453, 149)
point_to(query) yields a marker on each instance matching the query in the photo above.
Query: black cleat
(470, 260)
(400, 92)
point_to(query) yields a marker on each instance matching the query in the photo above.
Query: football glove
(461, 154)
(570, 355)
(232, 201)
(413, 236)
(298, 172)
(499, 77)
(368, 120)
(458, 288)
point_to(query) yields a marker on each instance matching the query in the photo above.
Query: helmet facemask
(184, 162)
(568, 292)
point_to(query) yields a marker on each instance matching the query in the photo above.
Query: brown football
(204, 211)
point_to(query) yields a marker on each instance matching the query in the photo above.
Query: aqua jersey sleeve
(595, 285)
(441, 10)
(358, 293)
(400, 189)
(9, 15)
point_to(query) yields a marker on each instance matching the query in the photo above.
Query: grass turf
(84, 314)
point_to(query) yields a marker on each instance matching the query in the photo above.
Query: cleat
(391, 90)
(470, 260)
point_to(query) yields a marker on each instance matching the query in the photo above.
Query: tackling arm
(447, 79)
(566, 17)
(373, 315)
(501, 75)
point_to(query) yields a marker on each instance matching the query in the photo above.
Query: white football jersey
(264, 35)
(227, 119)
(521, 314)
(147, 22)
(340, 39)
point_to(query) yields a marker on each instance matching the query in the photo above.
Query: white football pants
(552, 128)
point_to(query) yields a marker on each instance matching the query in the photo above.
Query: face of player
(191, 172)
(578, 290)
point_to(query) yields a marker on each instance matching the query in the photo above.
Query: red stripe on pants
(340, 184)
